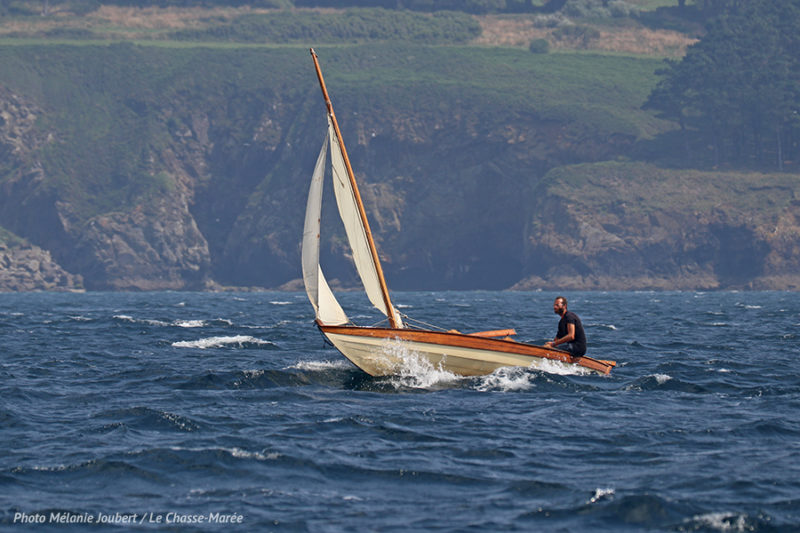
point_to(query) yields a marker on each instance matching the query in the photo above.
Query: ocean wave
(241, 341)
(189, 323)
(148, 419)
(724, 522)
(320, 366)
(132, 320)
(506, 379)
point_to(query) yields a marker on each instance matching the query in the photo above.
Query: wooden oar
(494, 333)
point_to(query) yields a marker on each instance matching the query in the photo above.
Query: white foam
(662, 378)
(612, 327)
(279, 302)
(551, 366)
(234, 452)
(190, 323)
(218, 342)
(244, 454)
(128, 318)
(506, 379)
(318, 366)
(723, 521)
(414, 370)
(601, 493)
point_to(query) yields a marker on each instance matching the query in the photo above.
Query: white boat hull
(380, 352)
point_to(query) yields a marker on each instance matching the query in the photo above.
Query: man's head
(560, 306)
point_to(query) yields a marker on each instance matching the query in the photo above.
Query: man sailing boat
(570, 336)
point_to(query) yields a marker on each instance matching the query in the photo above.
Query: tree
(738, 88)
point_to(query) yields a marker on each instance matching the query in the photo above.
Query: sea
(229, 412)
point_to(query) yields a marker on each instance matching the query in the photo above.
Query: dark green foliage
(353, 25)
(738, 89)
(539, 46)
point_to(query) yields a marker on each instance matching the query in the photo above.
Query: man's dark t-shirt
(579, 344)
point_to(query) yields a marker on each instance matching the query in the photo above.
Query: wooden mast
(363, 214)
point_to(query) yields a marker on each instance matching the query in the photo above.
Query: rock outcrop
(624, 226)
(24, 267)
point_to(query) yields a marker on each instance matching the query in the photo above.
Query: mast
(363, 214)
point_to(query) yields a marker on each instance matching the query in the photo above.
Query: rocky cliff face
(29, 268)
(635, 226)
(462, 192)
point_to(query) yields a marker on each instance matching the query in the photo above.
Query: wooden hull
(382, 351)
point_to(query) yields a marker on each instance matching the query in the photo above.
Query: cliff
(140, 168)
(636, 226)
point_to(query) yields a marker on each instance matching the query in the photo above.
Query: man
(570, 337)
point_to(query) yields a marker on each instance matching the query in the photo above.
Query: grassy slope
(642, 189)
(104, 102)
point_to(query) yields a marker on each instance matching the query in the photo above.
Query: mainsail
(356, 233)
(327, 309)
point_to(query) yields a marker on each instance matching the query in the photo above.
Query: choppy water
(229, 407)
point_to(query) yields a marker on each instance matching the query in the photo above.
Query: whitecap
(722, 521)
(318, 366)
(506, 379)
(218, 342)
(280, 302)
(662, 378)
(244, 454)
(149, 322)
(190, 323)
(601, 493)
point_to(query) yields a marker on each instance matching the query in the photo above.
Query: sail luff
(327, 309)
(390, 310)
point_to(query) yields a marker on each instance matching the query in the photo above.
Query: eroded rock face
(29, 268)
(155, 246)
(632, 226)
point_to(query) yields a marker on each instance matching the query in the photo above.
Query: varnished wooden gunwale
(462, 340)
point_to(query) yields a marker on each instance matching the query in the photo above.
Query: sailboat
(380, 351)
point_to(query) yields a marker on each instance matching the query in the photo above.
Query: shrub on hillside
(539, 46)
(598, 8)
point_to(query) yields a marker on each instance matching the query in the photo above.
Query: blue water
(132, 409)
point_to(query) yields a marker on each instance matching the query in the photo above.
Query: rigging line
(431, 326)
(325, 339)
(380, 322)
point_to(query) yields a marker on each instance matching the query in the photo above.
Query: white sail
(356, 234)
(327, 309)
